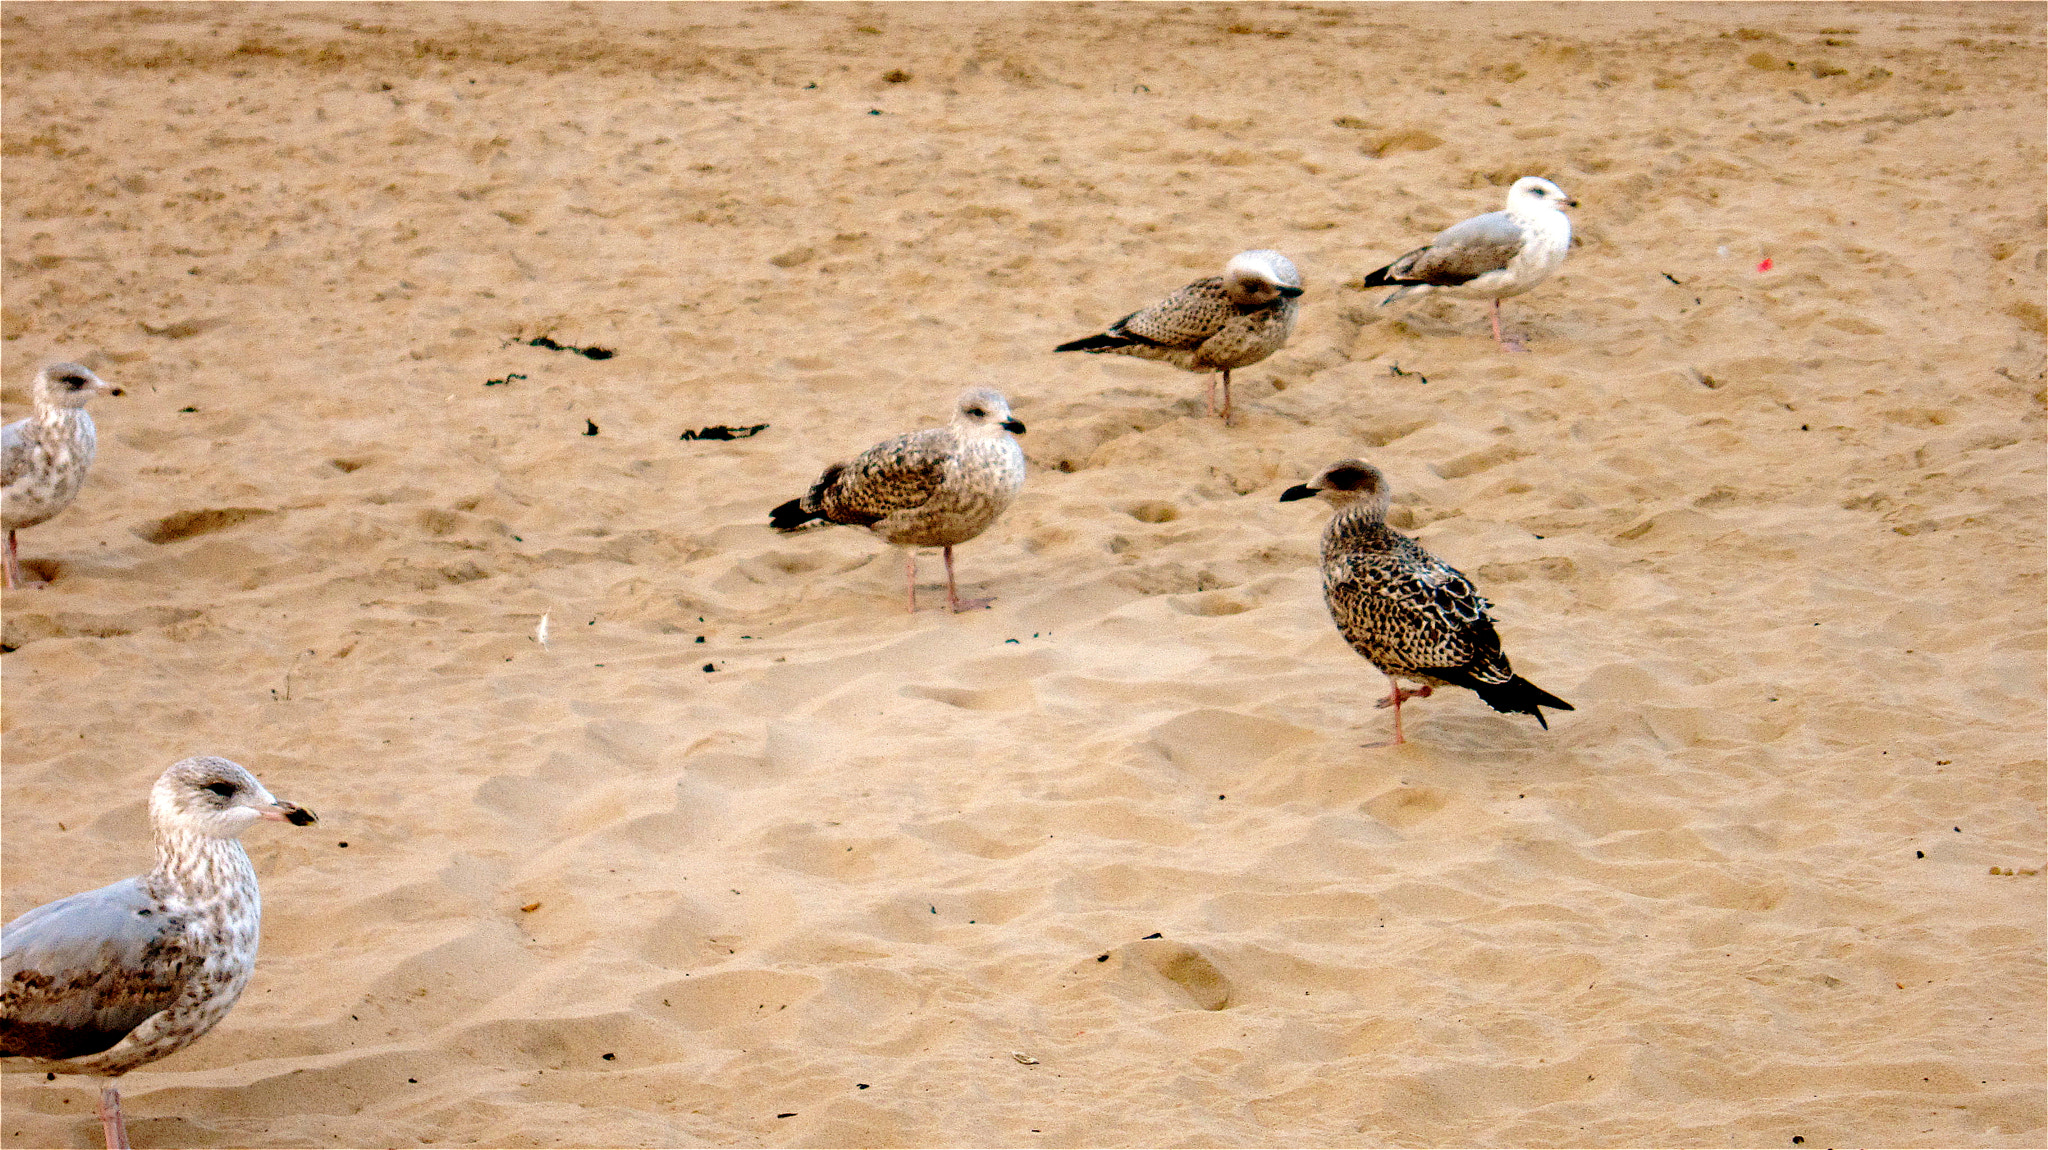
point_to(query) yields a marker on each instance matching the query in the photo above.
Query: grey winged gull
(1409, 613)
(1213, 324)
(1493, 256)
(45, 457)
(105, 981)
(934, 488)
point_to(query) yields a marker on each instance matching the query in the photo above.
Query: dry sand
(749, 856)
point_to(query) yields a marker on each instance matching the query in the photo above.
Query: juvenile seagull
(1213, 324)
(933, 488)
(45, 456)
(1492, 256)
(102, 982)
(1413, 615)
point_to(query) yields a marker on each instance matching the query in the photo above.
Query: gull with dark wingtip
(1412, 615)
(934, 488)
(1493, 256)
(105, 981)
(1213, 324)
(45, 457)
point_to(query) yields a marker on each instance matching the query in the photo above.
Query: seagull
(1492, 256)
(934, 488)
(1412, 615)
(45, 456)
(105, 981)
(1213, 324)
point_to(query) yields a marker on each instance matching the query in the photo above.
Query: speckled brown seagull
(1213, 324)
(934, 488)
(1492, 256)
(44, 457)
(1412, 615)
(105, 981)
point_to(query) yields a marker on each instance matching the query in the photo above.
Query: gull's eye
(977, 413)
(224, 790)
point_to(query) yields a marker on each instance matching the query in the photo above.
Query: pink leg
(953, 597)
(111, 1123)
(1399, 696)
(1505, 341)
(910, 576)
(1226, 397)
(1209, 395)
(13, 564)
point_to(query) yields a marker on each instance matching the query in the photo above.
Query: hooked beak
(1298, 491)
(1289, 291)
(293, 813)
(1013, 426)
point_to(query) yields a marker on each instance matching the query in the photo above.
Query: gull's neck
(1357, 517)
(200, 868)
(61, 419)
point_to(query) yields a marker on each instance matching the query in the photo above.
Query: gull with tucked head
(1213, 324)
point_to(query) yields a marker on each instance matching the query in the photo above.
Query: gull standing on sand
(1213, 324)
(1412, 615)
(102, 982)
(934, 488)
(1492, 256)
(45, 456)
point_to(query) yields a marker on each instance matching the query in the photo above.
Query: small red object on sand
(1763, 267)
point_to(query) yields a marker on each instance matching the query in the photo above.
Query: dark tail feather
(791, 516)
(1101, 342)
(1519, 695)
(1379, 278)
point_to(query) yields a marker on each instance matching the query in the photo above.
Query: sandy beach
(748, 855)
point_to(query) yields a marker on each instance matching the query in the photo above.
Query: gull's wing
(78, 974)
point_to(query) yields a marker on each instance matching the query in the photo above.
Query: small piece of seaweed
(585, 352)
(721, 431)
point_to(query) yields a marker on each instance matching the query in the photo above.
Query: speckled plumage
(934, 488)
(105, 981)
(1494, 256)
(1214, 324)
(44, 458)
(1409, 613)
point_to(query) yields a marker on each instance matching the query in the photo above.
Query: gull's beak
(1013, 426)
(1289, 291)
(1298, 491)
(106, 388)
(1571, 203)
(284, 812)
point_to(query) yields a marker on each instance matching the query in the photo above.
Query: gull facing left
(1411, 614)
